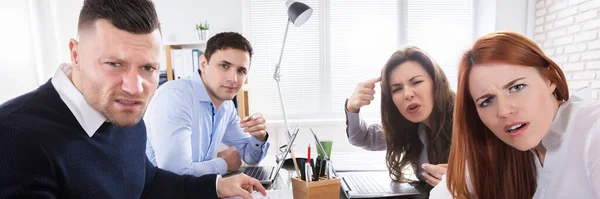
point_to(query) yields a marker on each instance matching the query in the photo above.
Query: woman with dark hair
(517, 132)
(416, 112)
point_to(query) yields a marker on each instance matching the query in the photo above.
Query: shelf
(179, 45)
(186, 43)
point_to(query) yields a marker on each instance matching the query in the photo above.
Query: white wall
(17, 61)
(512, 15)
(178, 17)
(54, 24)
(66, 16)
(500, 15)
(568, 33)
(485, 17)
(36, 42)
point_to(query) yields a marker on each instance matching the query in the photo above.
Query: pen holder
(324, 188)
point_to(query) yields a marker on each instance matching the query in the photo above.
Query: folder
(177, 60)
(195, 60)
(187, 63)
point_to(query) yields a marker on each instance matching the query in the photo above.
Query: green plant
(202, 26)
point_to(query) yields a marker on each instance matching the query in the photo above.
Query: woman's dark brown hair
(403, 144)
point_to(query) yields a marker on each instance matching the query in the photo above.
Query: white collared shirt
(572, 161)
(88, 117)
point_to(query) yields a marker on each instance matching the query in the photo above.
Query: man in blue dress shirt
(188, 118)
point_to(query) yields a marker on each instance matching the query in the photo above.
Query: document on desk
(271, 194)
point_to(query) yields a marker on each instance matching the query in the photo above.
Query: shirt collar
(88, 117)
(199, 88)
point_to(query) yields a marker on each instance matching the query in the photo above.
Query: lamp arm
(277, 77)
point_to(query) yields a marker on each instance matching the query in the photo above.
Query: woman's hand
(433, 173)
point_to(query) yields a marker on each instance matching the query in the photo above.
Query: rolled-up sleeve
(251, 150)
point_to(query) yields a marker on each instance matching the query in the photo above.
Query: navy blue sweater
(45, 153)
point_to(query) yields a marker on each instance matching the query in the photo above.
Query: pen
(317, 170)
(307, 168)
(308, 157)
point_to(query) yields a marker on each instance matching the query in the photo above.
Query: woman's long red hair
(495, 169)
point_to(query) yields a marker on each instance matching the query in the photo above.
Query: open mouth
(413, 108)
(127, 102)
(516, 127)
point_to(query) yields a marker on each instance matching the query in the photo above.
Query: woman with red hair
(516, 132)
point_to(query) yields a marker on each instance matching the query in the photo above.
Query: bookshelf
(242, 95)
(169, 47)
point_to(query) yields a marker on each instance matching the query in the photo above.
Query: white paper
(271, 194)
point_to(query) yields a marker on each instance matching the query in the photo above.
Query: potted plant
(202, 30)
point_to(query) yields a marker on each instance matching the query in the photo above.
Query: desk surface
(358, 161)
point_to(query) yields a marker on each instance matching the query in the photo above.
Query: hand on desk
(433, 173)
(239, 185)
(255, 126)
(231, 157)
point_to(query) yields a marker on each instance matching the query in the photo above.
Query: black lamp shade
(298, 12)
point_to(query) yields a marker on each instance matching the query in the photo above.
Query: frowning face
(412, 91)
(515, 102)
(116, 71)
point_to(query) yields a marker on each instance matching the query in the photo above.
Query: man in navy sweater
(80, 135)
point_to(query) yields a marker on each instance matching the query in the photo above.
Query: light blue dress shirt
(184, 130)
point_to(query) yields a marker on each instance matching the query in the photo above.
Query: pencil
(295, 163)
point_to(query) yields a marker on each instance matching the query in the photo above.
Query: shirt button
(256, 144)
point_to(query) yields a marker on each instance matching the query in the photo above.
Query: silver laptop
(267, 174)
(373, 185)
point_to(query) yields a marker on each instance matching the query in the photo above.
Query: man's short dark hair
(227, 40)
(134, 16)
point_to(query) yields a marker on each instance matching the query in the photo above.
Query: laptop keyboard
(365, 185)
(259, 173)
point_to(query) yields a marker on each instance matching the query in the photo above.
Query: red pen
(308, 153)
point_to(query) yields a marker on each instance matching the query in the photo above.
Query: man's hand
(238, 185)
(363, 95)
(255, 125)
(231, 157)
(433, 173)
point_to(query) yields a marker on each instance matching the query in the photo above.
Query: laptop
(373, 185)
(369, 184)
(267, 174)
